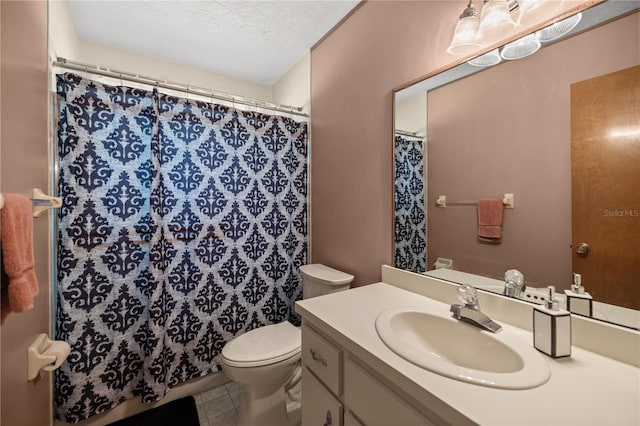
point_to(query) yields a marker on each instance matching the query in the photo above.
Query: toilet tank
(318, 280)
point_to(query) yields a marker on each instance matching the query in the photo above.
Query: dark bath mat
(181, 412)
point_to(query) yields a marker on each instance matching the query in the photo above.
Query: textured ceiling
(257, 41)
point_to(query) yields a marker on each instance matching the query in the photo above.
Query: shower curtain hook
(212, 106)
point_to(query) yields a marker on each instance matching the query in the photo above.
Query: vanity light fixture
(486, 60)
(521, 48)
(464, 37)
(559, 29)
(533, 10)
(472, 32)
(495, 21)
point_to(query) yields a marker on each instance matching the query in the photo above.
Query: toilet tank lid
(326, 274)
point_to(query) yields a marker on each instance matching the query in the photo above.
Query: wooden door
(605, 185)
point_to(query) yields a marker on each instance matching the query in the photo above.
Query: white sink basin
(461, 351)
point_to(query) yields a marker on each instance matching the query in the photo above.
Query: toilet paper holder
(45, 354)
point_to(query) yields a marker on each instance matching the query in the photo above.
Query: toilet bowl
(263, 361)
(266, 360)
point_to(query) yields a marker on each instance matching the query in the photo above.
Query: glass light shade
(464, 38)
(533, 11)
(486, 60)
(559, 29)
(495, 21)
(525, 46)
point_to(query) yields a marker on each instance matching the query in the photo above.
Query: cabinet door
(350, 420)
(319, 407)
(374, 403)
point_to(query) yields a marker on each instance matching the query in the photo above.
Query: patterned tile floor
(219, 406)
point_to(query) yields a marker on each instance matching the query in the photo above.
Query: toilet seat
(263, 346)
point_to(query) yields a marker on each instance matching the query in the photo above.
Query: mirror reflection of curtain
(410, 218)
(183, 226)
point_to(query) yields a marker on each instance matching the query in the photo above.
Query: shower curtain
(410, 217)
(183, 225)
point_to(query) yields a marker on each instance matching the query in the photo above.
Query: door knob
(583, 248)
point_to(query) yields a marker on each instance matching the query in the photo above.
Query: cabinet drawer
(323, 358)
(319, 407)
(374, 403)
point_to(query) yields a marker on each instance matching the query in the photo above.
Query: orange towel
(17, 254)
(490, 219)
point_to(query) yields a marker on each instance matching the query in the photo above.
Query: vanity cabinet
(375, 404)
(319, 406)
(339, 389)
(352, 374)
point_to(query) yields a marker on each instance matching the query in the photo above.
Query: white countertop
(585, 389)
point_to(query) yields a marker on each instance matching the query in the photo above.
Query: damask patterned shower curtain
(410, 219)
(184, 224)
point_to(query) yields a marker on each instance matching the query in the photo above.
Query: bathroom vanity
(350, 377)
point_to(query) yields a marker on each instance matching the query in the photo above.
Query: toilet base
(263, 407)
(266, 410)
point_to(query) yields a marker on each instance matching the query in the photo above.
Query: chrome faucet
(470, 311)
(514, 284)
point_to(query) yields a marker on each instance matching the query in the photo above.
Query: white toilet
(266, 361)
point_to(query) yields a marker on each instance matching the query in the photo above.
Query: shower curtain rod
(410, 134)
(171, 85)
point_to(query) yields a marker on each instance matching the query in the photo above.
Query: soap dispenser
(552, 328)
(578, 300)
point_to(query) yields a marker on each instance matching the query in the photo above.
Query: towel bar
(441, 201)
(43, 202)
(40, 202)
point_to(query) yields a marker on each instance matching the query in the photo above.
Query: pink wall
(353, 72)
(24, 160)
(515, 138)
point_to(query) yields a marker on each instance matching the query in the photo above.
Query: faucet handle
(514, 276)
(468, 295)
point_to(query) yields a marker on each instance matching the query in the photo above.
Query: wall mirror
(555, 134)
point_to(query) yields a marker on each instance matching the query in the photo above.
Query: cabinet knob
(328, 420)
